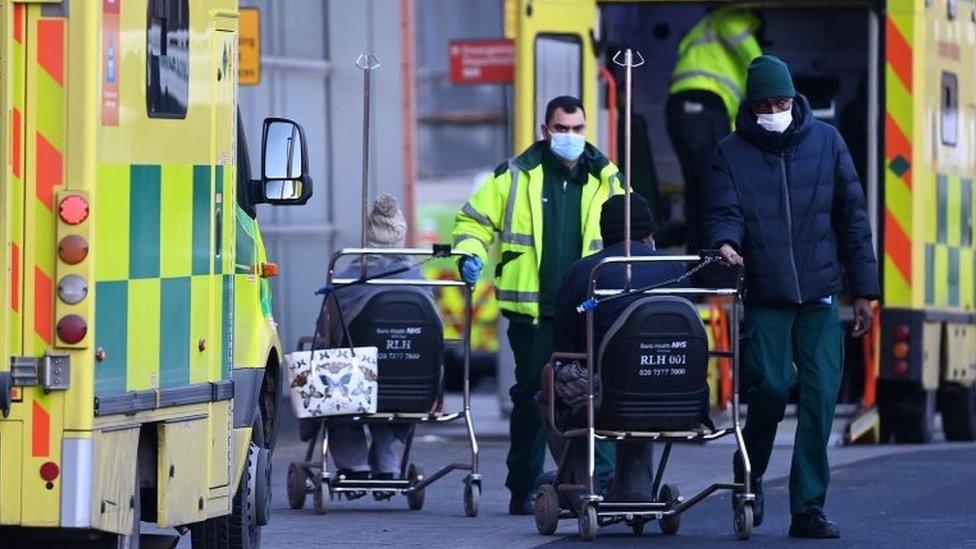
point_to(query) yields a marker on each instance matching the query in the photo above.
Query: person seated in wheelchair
(385, 228)
(624, 467)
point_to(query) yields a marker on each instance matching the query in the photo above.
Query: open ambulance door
(555, 55)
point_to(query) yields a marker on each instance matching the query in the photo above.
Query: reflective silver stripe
(462, 237)
(469, 211)
(709, 37)
(596, 244)
(519, 297)
(521, 239)
(730, 85)
(513, 172)
(739, 38)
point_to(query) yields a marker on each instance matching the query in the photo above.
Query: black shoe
(521, 505)
(813, 524)
(758, 505)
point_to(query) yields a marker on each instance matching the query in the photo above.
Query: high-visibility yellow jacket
(509, 203)
(715, 54)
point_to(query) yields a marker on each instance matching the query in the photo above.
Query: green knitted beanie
(768, 77)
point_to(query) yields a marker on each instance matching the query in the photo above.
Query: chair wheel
(320, 498)
(415, 498)
(472, 497)
(743, 521)
(637, 526)
(588, 524)
(669, 523)
(546, 509)
(296, 486)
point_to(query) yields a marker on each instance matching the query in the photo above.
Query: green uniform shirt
(562, 231)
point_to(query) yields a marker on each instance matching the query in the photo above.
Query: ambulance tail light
(73, 249)
(902, 332)
(72, 329)
(49, 471)
(73, 209)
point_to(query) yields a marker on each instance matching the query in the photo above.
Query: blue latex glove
(470, 268)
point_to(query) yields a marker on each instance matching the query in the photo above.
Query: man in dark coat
(785, 201)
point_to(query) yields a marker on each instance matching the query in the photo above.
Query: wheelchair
(647, 384)
(406, 328)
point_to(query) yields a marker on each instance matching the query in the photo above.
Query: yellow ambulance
(898, 77)
(138, 355)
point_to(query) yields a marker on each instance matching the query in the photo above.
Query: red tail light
(902, 332)
(50, 471)
(73, 209)
(901, 368)
(73, 249)
(900, 350)
(72, 329)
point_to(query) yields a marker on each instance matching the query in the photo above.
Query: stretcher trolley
(648, 383)
(403, 324)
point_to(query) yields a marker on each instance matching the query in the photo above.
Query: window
(950, 109)
(558, 70)
(167, 58)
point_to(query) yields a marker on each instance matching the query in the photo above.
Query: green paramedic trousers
(532, 347)
(782, 346)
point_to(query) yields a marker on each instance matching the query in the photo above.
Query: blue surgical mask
(568, 146)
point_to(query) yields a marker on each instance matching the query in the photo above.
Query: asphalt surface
(881, 496)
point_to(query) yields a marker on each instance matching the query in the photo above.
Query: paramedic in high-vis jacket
(544, 206)
(786, 202)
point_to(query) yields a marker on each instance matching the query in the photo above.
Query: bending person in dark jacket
(785, 201)
(633, 459)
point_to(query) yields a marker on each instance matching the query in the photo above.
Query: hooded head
(385, 226)
(642, 224)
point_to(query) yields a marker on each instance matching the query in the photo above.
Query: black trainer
(521, 505)
(758, 506)
(813, 524)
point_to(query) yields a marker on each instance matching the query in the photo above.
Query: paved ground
(882, 496)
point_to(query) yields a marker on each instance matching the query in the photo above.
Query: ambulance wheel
(296, 486)
(637, 526)
(546, 509)
(321, 497)
(742, 522)
(958, 406)
(415, 498)
(472, 498)
(669, 523)
(587, 522)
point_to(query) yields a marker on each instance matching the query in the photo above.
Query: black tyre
(415, 498)
(742, 522)
(588, 523)
(958, 405)
(669, 523)
(546, 509)
(907, 412)
(472, 498)
(637, 526)
(296, 486)
(239, 529)
(321, 498)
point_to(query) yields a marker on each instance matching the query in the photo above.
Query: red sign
(482, 61)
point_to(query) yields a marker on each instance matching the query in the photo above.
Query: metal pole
(367, 62)
(628, 64)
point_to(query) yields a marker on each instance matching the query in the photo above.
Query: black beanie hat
(642, 222)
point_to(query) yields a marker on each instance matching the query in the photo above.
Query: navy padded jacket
(792, 205)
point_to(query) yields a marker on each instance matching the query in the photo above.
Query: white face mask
(775, 122)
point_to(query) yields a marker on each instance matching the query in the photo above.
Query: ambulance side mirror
(284, 163)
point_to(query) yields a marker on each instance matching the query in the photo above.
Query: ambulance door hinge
(53, 372)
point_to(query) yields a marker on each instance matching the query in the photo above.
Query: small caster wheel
(320, 497)
(587, 521)
(472, 497)
(669, 523)
(415, 498)
(297, 488)
(637, 526)
(743, 521)
(546, 509)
